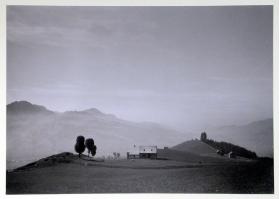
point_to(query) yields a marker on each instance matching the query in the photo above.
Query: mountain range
(34, 132)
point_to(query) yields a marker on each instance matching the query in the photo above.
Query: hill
(196, 147)
(208, 148)
(40, 132)
(167, 159)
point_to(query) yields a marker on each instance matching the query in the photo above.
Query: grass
(143, 176)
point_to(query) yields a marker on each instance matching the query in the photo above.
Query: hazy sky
(188, 67)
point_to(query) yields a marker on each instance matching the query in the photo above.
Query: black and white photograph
(139, 99)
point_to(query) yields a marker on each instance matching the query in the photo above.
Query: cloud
(61, 27)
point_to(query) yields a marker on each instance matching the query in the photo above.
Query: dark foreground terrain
(67, 174)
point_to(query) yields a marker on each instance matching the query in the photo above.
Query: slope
(196, 147)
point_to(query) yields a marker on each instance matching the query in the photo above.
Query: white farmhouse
(149, 152)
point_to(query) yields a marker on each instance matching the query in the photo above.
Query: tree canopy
(79, 146)
(91, 147)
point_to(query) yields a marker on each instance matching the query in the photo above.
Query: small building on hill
(203, 136)
(149, 152)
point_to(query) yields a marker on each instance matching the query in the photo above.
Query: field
(141, 176)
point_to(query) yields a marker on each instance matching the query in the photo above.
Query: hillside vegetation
(226, 148)
(209, 148)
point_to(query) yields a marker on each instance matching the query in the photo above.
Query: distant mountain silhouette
(92, 111)
(24, 107)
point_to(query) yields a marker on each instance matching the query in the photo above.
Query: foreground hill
(40, 132)
(167, 159)
(256, 136)
(66, 173)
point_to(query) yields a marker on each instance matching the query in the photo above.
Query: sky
(185, 67)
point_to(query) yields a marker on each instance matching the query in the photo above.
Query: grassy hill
(208, 148)
(66, 173)
(196, 147)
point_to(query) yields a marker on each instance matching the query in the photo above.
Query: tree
(79, 147)
(93, 152)
(91, 147)
(89, 143)
(114, 155)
